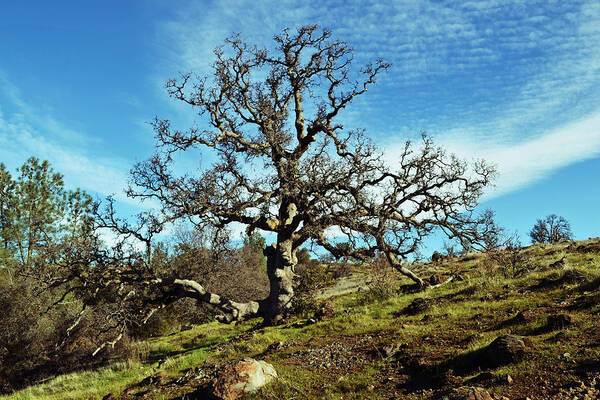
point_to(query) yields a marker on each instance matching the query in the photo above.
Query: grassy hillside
(373, 347)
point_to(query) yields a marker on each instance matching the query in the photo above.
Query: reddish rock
(245, 376)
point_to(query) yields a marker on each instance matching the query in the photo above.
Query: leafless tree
(552, 229)
(286, 165)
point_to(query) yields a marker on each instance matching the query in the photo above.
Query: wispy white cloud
(26, 130)
(515, 83)
(522, 162)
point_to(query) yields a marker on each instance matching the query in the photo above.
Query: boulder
(245, 376)
(503, 350)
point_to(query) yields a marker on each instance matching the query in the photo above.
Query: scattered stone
(559, 321)
(241, 377)
(417, 306)
(584, 390)
(340, 356)
(504, 349)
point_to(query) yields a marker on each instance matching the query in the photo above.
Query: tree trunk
(281, 261)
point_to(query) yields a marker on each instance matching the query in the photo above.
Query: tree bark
(281, 261)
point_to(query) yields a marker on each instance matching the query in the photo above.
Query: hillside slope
(397, 347)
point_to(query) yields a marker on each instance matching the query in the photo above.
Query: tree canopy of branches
(285, 165)
(552, 229)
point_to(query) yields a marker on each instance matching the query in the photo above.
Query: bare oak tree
(286, 165)
(552, 229)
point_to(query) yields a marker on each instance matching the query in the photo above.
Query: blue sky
(513, 82)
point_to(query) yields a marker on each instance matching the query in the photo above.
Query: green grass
(480, 304)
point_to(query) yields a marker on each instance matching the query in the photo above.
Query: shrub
(311, 275)
(382, 282)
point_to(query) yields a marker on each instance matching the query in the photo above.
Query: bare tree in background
(552, 229)
(285, 165)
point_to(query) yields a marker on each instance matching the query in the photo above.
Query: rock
(477, 393)
(241, 377)
(503, 350)
(417, 306)
(559, 321)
